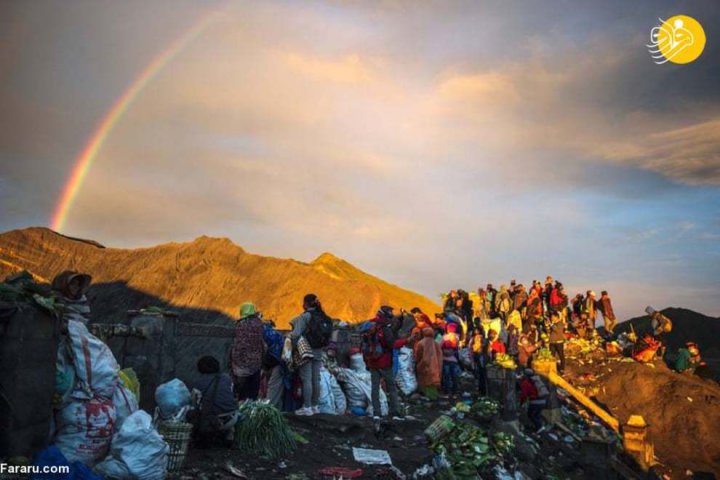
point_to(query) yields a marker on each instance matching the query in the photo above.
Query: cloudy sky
(435, 144)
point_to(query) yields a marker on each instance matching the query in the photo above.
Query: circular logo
(679, 39)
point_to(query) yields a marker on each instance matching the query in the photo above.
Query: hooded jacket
(385, 360)
(428, 359)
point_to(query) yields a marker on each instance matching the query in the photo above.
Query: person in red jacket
(378, 344)
(535, 398)
(495, 345)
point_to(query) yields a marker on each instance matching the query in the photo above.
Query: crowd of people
(472, 331)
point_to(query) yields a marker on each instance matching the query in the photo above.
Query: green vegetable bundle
(544, 354)
(503, 443)
(467, 449)
(505, 361)
(485, 408)
(263, 431)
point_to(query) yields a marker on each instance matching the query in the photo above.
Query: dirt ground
(331, 439)
(683, 411)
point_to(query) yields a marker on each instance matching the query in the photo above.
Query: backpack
(540, 387)
(319, 329)
(376, 341)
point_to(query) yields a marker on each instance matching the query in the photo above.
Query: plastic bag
(326, 402)
(84, 430)
(53, 457)
(338, 396)
(64, 374)
(125, 404)
(287, 352)
(138, 449)
(357, 363)
(130, 380)
(358, 389)
(466, 357)
(172, 397)
(405, 378)
(95, 365)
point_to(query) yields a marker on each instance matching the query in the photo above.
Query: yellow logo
(679, 39)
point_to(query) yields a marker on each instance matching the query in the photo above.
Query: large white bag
(358, 389)
(172, 398)
(357, 363)
(125, 404)
(84, 430)
(138, 451)
(338, 396)
(405, 378)
(326, 402)
(95, 365)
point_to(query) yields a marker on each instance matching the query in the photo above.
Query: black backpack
(319, 329)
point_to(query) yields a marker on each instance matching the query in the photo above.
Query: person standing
(557, 339)
(525, 350)
(591, 307)
(503, 303)
(605, 307)
(273, 365)
(451, 368)
(429, 363)
(534, 308)
(247, 353)
(377, 345)
(314, 327)
(491, 293)
(483, 307)
(478, 347)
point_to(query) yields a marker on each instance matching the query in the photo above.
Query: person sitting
(70, 288)
(645, 349)
(688, 358)
(215, 413)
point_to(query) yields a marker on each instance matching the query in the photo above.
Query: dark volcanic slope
(687, 326)
(208, 273)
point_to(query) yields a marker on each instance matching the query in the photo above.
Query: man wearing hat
(247, 353)
(70, 288)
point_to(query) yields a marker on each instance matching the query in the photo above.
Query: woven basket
(440, 428)
(177, 435)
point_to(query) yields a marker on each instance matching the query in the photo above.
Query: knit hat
(208, 364)
(649, 310)
(247, 309)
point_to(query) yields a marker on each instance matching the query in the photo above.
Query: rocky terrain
(207, 273)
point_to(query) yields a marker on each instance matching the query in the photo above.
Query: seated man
(688, 358)
(215, 412)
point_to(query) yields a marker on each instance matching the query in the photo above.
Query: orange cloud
(350, 69)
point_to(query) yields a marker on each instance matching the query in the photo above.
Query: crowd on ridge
(472, 331)
(510, 324)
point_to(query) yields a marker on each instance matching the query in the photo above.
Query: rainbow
(101, 133)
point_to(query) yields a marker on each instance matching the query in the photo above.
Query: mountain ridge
(208, 272)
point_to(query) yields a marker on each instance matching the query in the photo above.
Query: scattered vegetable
(262, 430)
